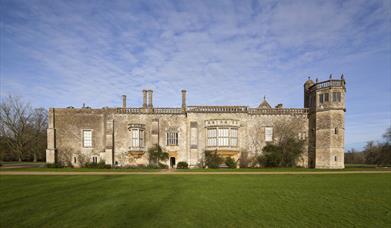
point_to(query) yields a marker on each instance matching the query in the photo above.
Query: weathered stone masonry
(122, 136)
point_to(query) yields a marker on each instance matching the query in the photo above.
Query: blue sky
(65, 53)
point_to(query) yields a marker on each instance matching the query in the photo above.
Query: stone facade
(122, 136)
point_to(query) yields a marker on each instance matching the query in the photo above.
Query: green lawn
(37, 169)
(361, 200)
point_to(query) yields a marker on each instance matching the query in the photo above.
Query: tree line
(22, 130)
(375, 153)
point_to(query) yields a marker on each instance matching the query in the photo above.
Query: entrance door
(172, 162)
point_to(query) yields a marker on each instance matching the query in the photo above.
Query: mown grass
(38, 169)
(350, 200)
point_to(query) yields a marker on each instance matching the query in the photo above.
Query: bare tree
(15, 116)
(22, 129)
(39, 124)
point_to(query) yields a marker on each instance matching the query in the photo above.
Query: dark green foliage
(213, 160)
(283, 154)
(156, 154)
(100, 165)
(157, 166)
(163, 166)
(182, 165)
(55, 165)
(230, 162)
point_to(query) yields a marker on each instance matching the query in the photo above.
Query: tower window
(336, 131)
(335, 158)
(321, 98)
(336, 96)
(326, 97)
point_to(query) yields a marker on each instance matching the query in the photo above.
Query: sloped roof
(264, 104)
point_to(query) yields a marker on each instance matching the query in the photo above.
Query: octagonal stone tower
(326, 103)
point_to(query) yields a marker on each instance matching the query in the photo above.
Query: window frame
(326, 97)
(222, 136)
(84, 140)
(321, 99)
(172, 138)
(266, 138)
(137, 136)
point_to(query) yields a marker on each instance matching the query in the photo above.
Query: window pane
(326, 97)
(87, 138)
(268, 134)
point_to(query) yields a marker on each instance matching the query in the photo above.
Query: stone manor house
(121, 136)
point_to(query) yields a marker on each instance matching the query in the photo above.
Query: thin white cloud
(222, 52)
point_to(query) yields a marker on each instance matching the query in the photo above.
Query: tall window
(234, 137)
(321, 98)
(337, 96)
(87, 138)
(212, 137)
(326, 97)
(222, 137)
(172, 138)
(137, 137)
(268, 134)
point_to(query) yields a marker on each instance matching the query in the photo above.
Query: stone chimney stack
(123, 101)
(145, 99)
(183, 100)
(150, 105)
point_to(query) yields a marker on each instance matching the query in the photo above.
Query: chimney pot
(145, 99)
(184, 100)
(150, 105)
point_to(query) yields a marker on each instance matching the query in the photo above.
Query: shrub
(182, 165)
(156, 154)
(163, 166)
(230, 162)
(284, 154)
(212, 159)
(55, 165)
(100, 165)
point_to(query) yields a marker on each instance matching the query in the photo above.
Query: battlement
(328, 84)
(217, 109)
